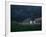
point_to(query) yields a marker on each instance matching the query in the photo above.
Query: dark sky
(21, 12)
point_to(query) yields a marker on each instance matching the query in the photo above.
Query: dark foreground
(20, 27)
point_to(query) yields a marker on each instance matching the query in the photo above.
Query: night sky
(21, 12)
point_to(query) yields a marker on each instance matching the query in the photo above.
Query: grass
(15, 27)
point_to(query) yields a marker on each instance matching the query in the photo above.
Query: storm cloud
(21, 12)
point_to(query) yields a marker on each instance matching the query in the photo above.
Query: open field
(15, 27)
